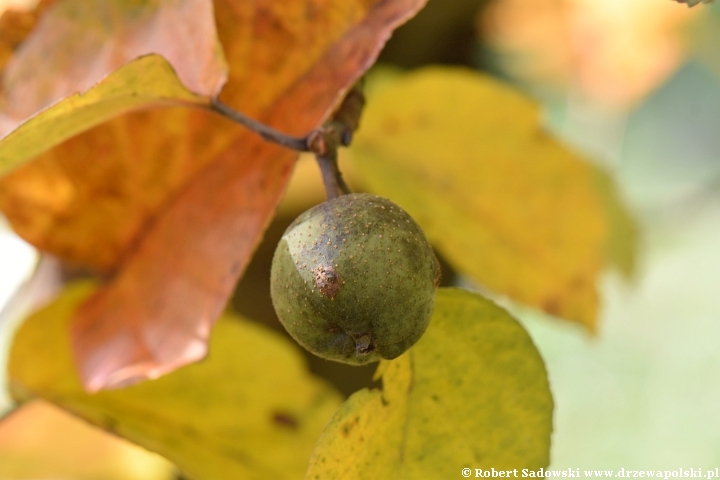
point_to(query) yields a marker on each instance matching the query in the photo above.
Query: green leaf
(145, 82)
(250, 410)
(473, 392)
(502, 201)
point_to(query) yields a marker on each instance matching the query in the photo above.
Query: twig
(268, 133)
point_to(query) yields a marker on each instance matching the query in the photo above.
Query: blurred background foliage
(635, 86)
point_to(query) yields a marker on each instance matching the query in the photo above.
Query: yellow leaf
(144, 82)
(503, 202)
(250, 410)
(40, 440)
(473, 392)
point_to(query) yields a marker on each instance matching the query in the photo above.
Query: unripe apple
(353, 279)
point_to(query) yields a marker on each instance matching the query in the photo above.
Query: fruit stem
(327, 160)
(325, 141)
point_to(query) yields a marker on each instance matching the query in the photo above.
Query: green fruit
(354, 279)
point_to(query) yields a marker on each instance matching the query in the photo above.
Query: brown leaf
(180, 198)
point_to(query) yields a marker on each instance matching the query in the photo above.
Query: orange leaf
(76, 43)
(156, 314)
(86, 200)
(174, 201)
(615, 53)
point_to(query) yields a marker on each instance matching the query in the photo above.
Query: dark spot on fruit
(328, 281)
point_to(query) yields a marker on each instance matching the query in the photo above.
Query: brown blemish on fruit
(328, 281)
